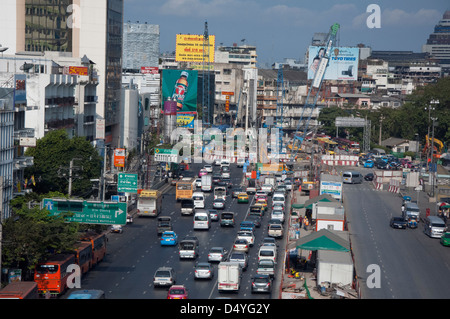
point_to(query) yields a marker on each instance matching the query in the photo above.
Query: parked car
(369, 177)
(445, 239)
(369, 164)
(203, 270)
(398, 222)
(177, 292)
(261, 283)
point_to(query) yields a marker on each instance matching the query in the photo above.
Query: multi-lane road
(133, 256)
(390, 263)
(393, 263)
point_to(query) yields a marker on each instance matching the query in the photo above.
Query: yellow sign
(189, 48)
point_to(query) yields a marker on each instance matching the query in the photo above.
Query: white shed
(334, 267)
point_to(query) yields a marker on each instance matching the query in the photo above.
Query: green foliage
(32, 234)
(52, 156)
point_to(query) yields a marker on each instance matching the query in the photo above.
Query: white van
(202, 219)
(352, 177)
(267, 252)
(434, 227)
(199, 200)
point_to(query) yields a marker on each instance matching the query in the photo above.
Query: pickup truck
(188, 248)
(164, 224)
(266, 267)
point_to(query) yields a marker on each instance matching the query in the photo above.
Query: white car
(208, 168)
(246, 235)
(198, 182)
(217, 254)
(278, 214)
(116, 229)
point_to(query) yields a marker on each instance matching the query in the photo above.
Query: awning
(323, 240)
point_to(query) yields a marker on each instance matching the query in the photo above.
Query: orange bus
(83, 256)
(51, 275)
(98, 243)
(20, 290)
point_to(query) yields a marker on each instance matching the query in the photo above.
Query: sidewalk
(302, 286)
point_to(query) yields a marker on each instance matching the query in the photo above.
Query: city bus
(51, 275)
(83, 256)
(185, 188)
(98, 243)
(149, 203)
(348, 145)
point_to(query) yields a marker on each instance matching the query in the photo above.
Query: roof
(393, 141)
(325, 240)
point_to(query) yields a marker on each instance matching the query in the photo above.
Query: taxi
(242, 198)
(262, 202)
(177, 292)
(169, 238)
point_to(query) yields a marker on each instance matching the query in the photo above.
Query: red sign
(149, 70)
(78, 70)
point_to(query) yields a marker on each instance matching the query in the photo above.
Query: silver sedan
(203, 270)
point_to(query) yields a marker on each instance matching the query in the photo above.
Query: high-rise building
(76, 28)
(140, 46)
(438, 43)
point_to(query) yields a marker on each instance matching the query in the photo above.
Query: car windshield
(162, 273)
(177, 291)
(47, 269)
(260, 280)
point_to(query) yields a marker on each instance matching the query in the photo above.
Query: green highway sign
(127, 183)
(88, 212)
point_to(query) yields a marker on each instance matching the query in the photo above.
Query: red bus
(98, 243)
(51, 275)
(20, 290)
(83, 256)
(348, 145)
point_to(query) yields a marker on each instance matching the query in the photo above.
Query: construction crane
(280, 96)
(313, 92)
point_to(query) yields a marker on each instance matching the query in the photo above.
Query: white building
(77, 28)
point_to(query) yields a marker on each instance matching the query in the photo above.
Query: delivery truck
(229, 276)
(206, 183)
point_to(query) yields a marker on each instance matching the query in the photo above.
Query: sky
(284, 28)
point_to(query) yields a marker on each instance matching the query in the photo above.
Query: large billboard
(180, 86)
(189, 48)
(343, 63)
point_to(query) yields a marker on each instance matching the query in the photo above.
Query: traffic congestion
(219, 204)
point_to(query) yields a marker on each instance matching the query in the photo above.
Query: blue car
(369, 164)
(247, 225)
(169, 238)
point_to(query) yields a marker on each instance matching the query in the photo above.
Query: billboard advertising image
(186, 119)
(189, 48)
(180, 86)
(343, 63)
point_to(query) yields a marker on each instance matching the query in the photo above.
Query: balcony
(24, 132)
(60, 101)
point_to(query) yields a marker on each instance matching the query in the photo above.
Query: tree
(52, 156)
(32, 234)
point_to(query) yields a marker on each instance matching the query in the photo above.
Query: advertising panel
(343, 63)
(20, 92)
(119, 157)
(186, 119)
(180, 86)
(189, 48)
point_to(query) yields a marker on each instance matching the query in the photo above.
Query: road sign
(127, 183)
(88, 212)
